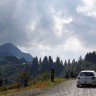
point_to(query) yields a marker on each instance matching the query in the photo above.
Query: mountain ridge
(9, 49)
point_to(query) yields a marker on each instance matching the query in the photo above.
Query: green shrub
(43, 76)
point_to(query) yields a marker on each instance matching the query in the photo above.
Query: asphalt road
(69, 89)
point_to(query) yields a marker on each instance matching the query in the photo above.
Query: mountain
(9, 49)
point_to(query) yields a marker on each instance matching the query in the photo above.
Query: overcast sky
(64, 28)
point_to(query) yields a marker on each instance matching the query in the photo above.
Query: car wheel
(78, 86)
(94, 86)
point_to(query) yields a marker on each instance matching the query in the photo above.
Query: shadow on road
(87, 86)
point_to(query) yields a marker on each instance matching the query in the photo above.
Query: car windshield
(86, 74)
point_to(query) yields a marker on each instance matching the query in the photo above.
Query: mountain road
(69, 88)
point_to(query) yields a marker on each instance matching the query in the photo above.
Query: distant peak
(8, 44)
(12, 49)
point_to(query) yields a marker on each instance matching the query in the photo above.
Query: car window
(86, 74)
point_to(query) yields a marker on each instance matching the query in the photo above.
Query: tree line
(61, 67)
(39, 66)
(43, 65)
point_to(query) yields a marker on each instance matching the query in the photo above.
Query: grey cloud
(13, 22)
(17, 15)
(83, 28)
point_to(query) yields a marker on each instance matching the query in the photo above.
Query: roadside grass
(43, 85)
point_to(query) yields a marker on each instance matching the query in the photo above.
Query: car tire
(94, 86)
(78, 86)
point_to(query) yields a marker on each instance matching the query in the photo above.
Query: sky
(63, 28)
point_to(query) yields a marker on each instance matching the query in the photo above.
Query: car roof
(88, 71)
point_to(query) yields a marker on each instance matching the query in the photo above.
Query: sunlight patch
(88, 8)
(59, 22)
(32, 25)
(59, 25)
(73, 44)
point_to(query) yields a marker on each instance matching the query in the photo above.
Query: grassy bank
(13, 88)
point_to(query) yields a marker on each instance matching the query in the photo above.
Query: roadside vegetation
(43, 84)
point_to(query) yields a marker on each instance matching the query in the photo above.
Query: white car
(86, 77)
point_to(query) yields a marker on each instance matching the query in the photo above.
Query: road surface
(69, 89)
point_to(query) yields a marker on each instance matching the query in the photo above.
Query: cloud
(49, 27)
(88, 8)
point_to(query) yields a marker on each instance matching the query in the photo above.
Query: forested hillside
(11, 66)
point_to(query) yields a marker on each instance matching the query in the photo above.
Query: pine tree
(35, 66)
(44, 64)
(58, 66)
